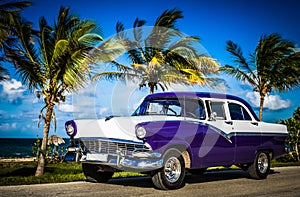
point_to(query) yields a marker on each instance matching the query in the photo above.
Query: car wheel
(260, 168)
(93, 174)
(197, 171)
(172, 174)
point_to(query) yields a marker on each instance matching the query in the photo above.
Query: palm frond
(194, 76)
(114, 75)
(59, 49)
(85, 30)
(90, 39)
(16, 6)
(164, 29)
(121, 67)
(3, 73)
(120, 30)
(238, 74)
(46, 40)
(186, 43)
(135, 54)
(177, 60)
(137, 31)
(25, 33)
(288, 68)
(237, 54)
(168, 18)
(207, 65)
(236, 51)
(30, 72)
(162, 86)
(108, 51)
(140, 68)
(25, 55)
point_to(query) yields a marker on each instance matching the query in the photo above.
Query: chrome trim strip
(220, 132)
(136, 163)
(270, 134)
(231, 134)
(145, 154)
(110, 140)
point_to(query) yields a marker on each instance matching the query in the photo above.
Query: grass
(22, 173)
(275, 163)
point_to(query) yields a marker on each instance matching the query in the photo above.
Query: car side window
(237, 112)
(218, 108)
(194, 108)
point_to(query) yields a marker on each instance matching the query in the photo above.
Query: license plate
(97, 157)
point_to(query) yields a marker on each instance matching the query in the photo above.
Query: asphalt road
(284, 181)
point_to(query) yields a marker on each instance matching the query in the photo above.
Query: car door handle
(254, 123)
(229, 122)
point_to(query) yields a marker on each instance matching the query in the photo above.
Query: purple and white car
(172, 132)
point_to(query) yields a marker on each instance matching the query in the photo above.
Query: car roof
(193, 95)
(197, 95)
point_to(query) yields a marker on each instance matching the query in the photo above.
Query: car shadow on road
(133, 181)
(209, 176)
(216, 176)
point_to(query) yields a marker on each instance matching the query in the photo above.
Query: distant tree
(8, 11)
(274, 65)
(54, 60)
(157, 59)
(293, 126)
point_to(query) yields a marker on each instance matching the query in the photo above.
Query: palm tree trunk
(296, 146)
(261, 105)
(151, 89)
(42, 156)
(297, 152)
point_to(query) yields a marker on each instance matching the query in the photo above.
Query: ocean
(22, 147)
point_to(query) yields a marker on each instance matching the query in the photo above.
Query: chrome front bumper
(139, 160)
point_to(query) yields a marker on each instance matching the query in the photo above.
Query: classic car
(172, 133)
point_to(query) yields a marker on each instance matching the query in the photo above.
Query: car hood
(115, 127)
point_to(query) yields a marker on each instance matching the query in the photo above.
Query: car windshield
(172, 107)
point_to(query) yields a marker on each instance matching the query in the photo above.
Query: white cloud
(12, 91)
(14, 125)
(272, 102)
(66, 108)
(8, 126)
(103, 111)
(12, 86)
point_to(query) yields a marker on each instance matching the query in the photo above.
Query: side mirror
(213, 116)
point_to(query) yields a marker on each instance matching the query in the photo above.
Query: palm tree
(7, 13)
(274, 65)
(161, 57)
(54, 60)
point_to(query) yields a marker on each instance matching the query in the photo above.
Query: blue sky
(214, 21)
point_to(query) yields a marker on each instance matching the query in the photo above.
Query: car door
(217, 148)
(245, 132)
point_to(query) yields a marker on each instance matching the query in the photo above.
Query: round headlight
(71, 128)
(140, 132)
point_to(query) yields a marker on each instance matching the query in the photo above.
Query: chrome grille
(109, 147)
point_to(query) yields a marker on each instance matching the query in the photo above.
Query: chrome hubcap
(172, 169)
(262, 163)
